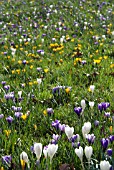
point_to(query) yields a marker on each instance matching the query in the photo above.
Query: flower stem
(82, 165)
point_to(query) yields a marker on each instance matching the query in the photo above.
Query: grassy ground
(52, 52)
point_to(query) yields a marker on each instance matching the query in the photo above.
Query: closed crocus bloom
(88, 152)
(52, 149)
(92, 87)
(24, 159)
(83, 104)
(38, 150)
(39, 80)
(69, 131)
(104, 165)
(79, 152)
(86, 128)
(91, 104)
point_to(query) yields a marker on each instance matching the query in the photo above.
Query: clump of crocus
(103, 106)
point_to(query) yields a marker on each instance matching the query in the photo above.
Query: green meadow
(56, 85)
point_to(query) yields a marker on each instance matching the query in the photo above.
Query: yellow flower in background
(19, 62)
(35, 127)
(46, 70)
(8, 57)
(13, 71)
(100, 58)
(97, 61)
(112, 65)
(2, 168)
(45, 112)
(24, 117)
(7, 132)
(31, 66)
(30, 83)
(105, 57)
(13, 59)
(67, 90)
(110, 129)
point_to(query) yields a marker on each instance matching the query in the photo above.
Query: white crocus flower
(38, 150)
(19, 94)
(39, 80)
(24, 159)
(104, 165)
(88, 152)
(86, 128)
(92, 87)
(79, 153)
(50, 150)
(83, 104)
(91, 104)
(69, 131)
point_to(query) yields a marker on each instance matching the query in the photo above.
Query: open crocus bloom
(104, 165)
(38, 150)
(69, 131)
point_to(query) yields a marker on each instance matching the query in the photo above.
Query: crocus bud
(91, 104)
(79, 152)
(39, 80)
(69, 131)
(19, 94)
(92, 87)
(50, 150)
(86, 128)
(104, 165)
(88, 152)
(24, 159)
(38, 150)
(83, 104)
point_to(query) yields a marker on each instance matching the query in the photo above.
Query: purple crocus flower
(104, 143)
(3, 82)
(107, 114)
(1, 116)
(61, 127)
(7, 159)
(109, 152)
(111, 138)
(90, 138)
(9, 119)
(18, 114)
(55, 124)
(74, 137)
(78, 110)
(7, 87)
(96, 123)
(103, 106)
